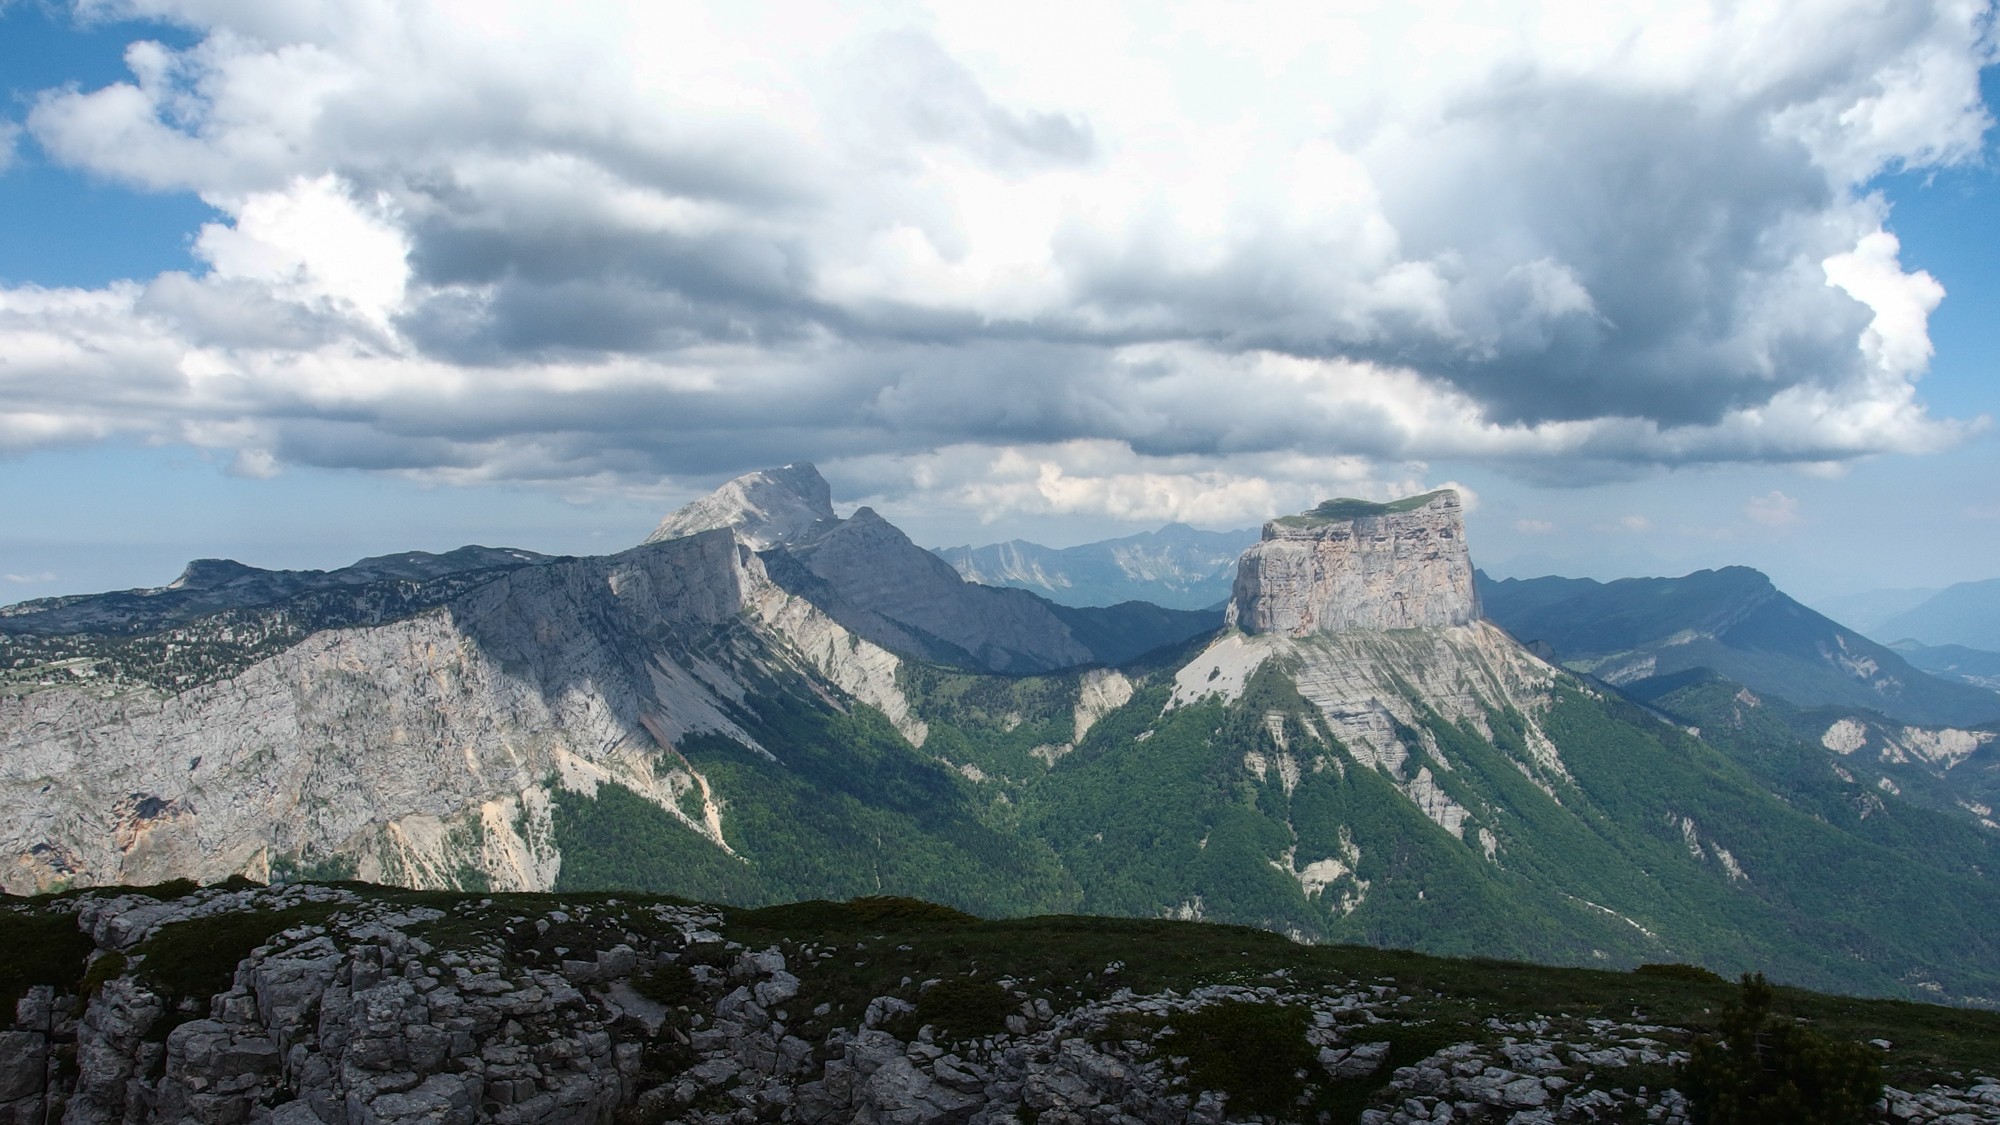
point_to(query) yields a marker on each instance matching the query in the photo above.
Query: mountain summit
(867, 575)
(766, 508)
(1355, 564)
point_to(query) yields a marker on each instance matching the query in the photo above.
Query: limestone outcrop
(1356, 565)
(355, 1006)
(765, 508)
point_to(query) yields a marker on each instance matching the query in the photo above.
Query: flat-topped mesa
(766, 508)
(1354, 564)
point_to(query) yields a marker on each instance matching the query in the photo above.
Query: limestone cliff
(1351, 564)
(419, 750)
(1371, 612)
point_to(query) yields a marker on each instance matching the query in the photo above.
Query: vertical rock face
(1352, 564)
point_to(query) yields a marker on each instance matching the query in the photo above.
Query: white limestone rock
(421, 748)
(1349, 564)
(766, 508)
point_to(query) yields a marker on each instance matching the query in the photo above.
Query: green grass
(1346, 508)
(196, 958)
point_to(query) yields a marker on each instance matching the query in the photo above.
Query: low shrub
(1763, 1069)
(964, 1008)
(1257, 1054)
(1677, 971)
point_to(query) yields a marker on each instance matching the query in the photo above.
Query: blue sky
(298, 285)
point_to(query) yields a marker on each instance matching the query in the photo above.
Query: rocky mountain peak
(766, 508)
(206, 574)
(1356, 564)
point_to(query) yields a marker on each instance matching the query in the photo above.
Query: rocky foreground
(351, 1004)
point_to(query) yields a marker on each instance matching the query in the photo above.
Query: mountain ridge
(1731, 619)
(1966, 614)
(698, 717)
(1176, 566)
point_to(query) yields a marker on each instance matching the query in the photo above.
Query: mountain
(1847, 766)
(765, 508)
(809, 709)
(1177, 566)
(1967, 614)
(1867, 610)
(220, 617)
(1735, 622)
(871, 578)
(1954, 662)
(212, 585)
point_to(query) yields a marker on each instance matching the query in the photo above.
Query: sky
(1660, 286)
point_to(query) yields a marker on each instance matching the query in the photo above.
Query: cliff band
(1352, 564)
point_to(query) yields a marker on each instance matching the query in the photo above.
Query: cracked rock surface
(344, 1005)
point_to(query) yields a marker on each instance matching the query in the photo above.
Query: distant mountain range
(1954, 662)
(1177, 566)
(1734, 622)
(1865, 610)
(1967, 614)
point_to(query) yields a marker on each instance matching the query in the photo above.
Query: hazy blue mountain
(1954, 662)
(1868, 609)
(1966, 614)
(1735, 622)
(1178, 566)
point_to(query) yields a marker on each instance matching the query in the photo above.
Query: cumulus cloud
(1773, 509)
(1108, 480)
(621, 242)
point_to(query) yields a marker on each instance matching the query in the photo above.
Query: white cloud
(254, 464)
(10, 136)
(1773, 509)
(616, 242)
(1109, 481)
(311, 243)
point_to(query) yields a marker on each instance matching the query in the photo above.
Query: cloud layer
(1086, 246)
